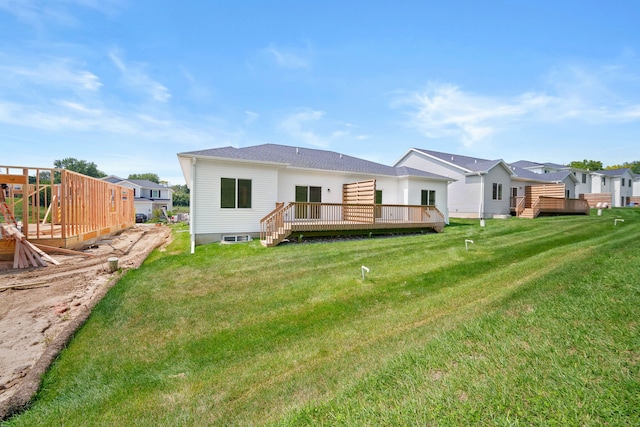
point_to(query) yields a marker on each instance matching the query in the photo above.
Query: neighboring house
(617, 182)
(583, 177)
(233, 189)
(540, 168)
(480, 187)
(525, 177)
(148, 196)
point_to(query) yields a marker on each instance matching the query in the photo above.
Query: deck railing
(296, 216)
(518, 204)
(552, 204)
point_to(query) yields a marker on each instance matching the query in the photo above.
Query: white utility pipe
(466, 243)
(192, 206)
(615, 221)
(363, 270)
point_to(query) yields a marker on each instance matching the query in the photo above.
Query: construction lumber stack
(26, 254)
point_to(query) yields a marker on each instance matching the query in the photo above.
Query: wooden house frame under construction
(57, 207)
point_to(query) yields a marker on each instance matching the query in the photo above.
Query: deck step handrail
(272, 227)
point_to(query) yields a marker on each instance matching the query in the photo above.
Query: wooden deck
(337, 218)
(547, 199)
(551, 206)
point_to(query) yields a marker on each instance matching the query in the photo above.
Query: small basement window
(237, 238)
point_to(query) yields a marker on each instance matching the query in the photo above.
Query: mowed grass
(535, 324)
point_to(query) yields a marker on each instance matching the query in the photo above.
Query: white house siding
(625, 191)
(636, 187)
(330, 183)
(498, 175)
(570, 186)
(210, 221)
(143, 207)
(414, 187)
(596, 184)
(464, 192)
(395, 191)
(580, 187)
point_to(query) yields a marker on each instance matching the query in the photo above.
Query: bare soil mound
(41, 308)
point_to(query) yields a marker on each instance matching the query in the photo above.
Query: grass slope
(535, 324)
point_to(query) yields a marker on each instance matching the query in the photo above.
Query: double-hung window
(235, 193)
(497, 191)
(428, 198)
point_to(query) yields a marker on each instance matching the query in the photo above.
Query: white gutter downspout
(481, 209)
(192, 206)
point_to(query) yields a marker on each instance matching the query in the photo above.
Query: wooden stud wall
(66, 214)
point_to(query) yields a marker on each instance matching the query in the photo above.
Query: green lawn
(535, 324)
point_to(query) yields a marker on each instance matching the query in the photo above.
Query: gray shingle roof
(144, 183)
(473, 164)
(545, 177)
(309, 158)
(526, 164)
(614, 172)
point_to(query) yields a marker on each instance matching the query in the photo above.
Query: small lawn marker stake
(363, 270)
(615, 221)
(466, 243)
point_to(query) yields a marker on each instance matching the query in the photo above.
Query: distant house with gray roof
(148, 195)
(232, 189)
(618, 182)
(480, 187)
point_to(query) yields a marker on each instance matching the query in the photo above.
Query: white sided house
(480, 188)
(233, 190)
(616, 182)
(148, 196)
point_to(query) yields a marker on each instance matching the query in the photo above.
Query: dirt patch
(39, 315)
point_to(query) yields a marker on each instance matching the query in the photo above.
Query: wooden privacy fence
(63, 207)
(598, 199)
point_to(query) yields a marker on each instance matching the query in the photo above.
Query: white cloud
(592, 96)
(297, 126)
(41, 14)
(135, 77)
(311, 127)
(445, 110)
(57, 72)
(289, 57)
(251, 117)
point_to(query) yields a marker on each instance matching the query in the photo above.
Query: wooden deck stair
(276, 237)
(529, 213)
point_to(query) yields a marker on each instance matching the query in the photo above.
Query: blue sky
(128, 84)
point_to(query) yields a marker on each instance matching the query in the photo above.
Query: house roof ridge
(308, 158)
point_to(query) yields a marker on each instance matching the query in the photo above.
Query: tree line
(180, 192)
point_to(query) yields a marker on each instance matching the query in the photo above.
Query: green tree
(634, 166)
(153, 177)
(81, 166)
(592, 165)
(180, 195)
